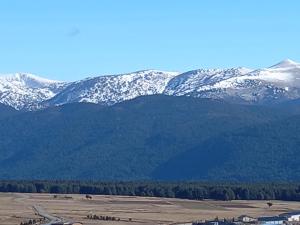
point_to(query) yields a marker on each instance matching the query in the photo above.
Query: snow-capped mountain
(274, 84)
(111, 89)
(189, 82)
(23, 91)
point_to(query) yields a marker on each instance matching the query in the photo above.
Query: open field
(15, 208)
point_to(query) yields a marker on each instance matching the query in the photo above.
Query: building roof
(271, 218)
(241, 216)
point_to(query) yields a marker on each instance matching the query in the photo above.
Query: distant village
(291, 218)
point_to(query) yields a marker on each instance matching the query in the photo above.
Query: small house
(246, 219)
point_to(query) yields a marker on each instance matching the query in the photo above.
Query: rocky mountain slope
(108, 90)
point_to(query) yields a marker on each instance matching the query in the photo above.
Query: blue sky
(73, 39)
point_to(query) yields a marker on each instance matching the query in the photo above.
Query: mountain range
(275, 84)
(214, 124)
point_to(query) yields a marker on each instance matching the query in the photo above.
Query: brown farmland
(15, 208)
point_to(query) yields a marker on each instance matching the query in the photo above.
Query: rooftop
(271, 218)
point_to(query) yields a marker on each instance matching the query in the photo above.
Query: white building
(246, 219)
(292, 216)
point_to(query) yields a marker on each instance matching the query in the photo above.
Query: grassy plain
(15, 208)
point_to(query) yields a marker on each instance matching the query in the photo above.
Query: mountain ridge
(24, 91)
(277, 83)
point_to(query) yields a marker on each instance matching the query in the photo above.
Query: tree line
(184, 190)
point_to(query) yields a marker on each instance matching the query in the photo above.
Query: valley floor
(15, 208)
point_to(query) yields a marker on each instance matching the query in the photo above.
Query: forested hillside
(7, 111)
(268, 151)
(152, 137)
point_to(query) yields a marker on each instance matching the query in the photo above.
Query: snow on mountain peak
(27, 79)
(284, 72)
(275, 83)
(28, 76)
(111, 89)
(287, 63)
(192, 81)
(22, 90)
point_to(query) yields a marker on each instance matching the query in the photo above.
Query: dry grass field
(15, 208)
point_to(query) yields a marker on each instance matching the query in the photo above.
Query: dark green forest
(183, 190)
(153, 138)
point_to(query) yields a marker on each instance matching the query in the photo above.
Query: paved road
(51, 219)
(39, 210)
